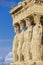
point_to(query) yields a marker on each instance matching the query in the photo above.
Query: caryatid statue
(27, 41)
(16, 41)
(22, 26)
(36, 39)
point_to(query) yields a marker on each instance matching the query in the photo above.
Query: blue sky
(6, 27)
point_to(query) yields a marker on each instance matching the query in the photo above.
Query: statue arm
(14, 45)
(21, 43)
(23, 47)
(30, 35)
(40, 29)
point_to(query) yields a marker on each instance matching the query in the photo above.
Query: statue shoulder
(40, 26)
(15, 37)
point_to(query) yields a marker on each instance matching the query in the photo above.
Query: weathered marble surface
(36, 47)
(36, 43)
(19, 50)
(16, 41)
(15, 47)
(21, 37)
(27, 43)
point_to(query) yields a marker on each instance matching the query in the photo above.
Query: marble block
(28, 63)
(39, 62)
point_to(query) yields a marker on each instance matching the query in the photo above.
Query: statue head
(22, 24)
(17, 27)
(28, 21)
(36, 18)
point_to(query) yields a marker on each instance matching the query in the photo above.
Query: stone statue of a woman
(22, 26)
(27, 41)
(36, 39)
(16, 41)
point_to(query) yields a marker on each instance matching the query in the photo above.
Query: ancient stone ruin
(27, 48)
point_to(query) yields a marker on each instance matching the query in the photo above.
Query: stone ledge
(39, 62)
(28, 63)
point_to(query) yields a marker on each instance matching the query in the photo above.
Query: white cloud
(9, 58)
(0, 57)
(1, 60)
